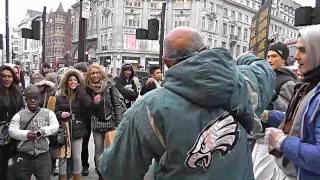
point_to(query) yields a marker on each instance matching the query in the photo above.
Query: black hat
(281, 49)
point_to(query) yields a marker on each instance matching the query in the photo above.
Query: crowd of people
(198, 123)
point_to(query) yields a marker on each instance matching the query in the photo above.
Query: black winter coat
(10, 105)
(80, 106)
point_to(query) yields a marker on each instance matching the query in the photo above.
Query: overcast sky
(18, 9)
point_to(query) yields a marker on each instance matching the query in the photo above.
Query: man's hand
(274, 137)
(97, 99)
(32, 136)
(149, 81)
(65, 114)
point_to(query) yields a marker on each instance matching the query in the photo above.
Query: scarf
(98, 88)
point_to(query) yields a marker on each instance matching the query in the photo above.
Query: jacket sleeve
(283, 98)
(84, 96)
(303, 154)
(275, 118)
(15, 130)
(134, 145)
(118, 104)
(127, 94)
(259, 75)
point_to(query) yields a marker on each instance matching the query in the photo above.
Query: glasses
(187, 56)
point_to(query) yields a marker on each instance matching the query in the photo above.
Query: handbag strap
(29, 121)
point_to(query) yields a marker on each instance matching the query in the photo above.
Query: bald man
(195, 127)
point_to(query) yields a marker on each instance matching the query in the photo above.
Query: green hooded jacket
(195, 127)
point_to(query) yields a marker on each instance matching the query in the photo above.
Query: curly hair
(103, 73)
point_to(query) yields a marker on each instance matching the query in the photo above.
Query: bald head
(182, 41)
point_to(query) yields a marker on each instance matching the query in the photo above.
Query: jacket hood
(207, 79)
(311, 37)
(65, 77)
(127, 64)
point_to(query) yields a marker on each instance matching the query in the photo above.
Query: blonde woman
(107, 107)
(71, 106)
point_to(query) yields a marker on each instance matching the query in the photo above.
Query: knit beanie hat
(280, 49)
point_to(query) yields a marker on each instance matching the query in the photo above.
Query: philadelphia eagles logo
(219, 135)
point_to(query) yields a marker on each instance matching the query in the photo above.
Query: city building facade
(222, 23)
(59, 37)
(29, 50)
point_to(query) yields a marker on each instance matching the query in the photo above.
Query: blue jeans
(24, 166)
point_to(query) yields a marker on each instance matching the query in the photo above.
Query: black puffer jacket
(80, 106)
(127, 87)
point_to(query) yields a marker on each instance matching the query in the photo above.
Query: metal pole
(262, 2)
(81, 39)
(44, 17)
(7, 33)
(163, 16)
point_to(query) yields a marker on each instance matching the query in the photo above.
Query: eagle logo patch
(220, 135)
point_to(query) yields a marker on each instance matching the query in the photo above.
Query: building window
(246, 19)
(224, 45)
(240, 17)
(216, 26)
(224, 29)
(210, 25)
(225, 12)
(182, 4)
(212, 7)
(130, 41)
(244, 49)
(245, 34)
(181, 20)
(204, 5)
(232, 30)
(215, 43)
(203, 23)
(130, 3)
(210, 42)
(233, 14)
(132, 20)
(238, 50)
(247, 2)
(239, 32)
(154, 5)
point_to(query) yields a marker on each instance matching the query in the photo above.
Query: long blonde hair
(103, 77)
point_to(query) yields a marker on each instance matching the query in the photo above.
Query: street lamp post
(7, 33)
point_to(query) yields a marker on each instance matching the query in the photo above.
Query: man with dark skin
(33, 150)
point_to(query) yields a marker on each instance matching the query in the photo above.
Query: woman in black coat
(71, 105)
(11, 101)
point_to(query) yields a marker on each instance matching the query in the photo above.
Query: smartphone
(38, 134)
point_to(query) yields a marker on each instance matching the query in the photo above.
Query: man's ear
(168, 63)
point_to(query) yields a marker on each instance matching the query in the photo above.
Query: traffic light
(141, 34)
(305, 16)
(1, 41)
(33, 33)
(153, 29)
(35, 27)
(26, 33)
